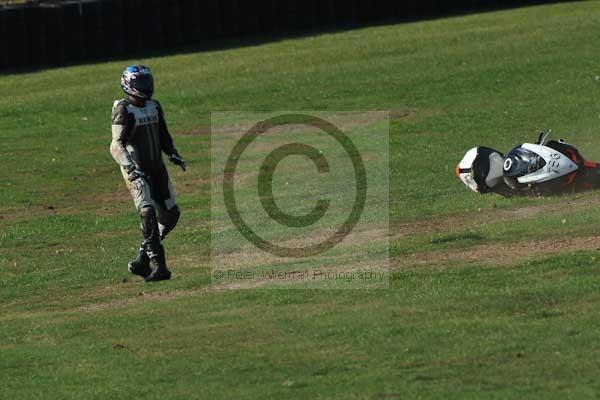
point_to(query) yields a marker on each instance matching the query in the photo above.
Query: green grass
(73, 324)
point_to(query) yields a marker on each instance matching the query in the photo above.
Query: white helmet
(481, 169)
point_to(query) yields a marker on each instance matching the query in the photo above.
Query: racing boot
(140, 265)
(160, 272)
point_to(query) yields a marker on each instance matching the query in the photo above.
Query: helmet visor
(144, 84)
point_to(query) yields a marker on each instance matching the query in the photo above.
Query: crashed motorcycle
(544, 168)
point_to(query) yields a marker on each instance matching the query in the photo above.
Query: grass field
(488, 297)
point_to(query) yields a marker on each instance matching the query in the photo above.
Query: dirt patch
(10, 214)
(343, 120)
(200, 131)
(246, 259)
(193, 184)
(100, 203)
(475, 219)
(259, 283)
(499, 254)
(250, 256)
(372, 266)
(142, 297)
